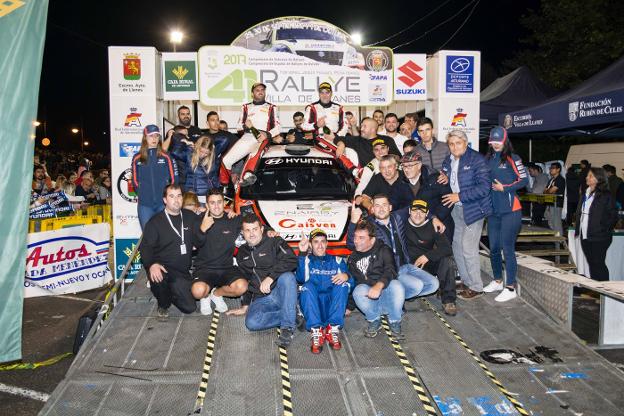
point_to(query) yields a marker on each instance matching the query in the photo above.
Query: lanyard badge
(180, 234)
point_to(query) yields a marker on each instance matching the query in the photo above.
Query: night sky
(74, 82)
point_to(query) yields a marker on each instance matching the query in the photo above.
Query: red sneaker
(331, 336)
(317, 340)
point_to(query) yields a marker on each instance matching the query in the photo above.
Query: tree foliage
(571, 40)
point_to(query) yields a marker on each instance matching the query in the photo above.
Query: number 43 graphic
(234, 87)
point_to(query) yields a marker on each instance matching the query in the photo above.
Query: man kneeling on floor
(215, 273)
(377, 292)
(166, 253)
(431, 251)
(268, 264)
(325, 290)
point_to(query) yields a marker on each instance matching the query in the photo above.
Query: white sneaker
(494, 286)
(506, 295)
(220, 304)
(204, 306)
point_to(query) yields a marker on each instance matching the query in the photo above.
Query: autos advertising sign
(292, 56)
(68, 260)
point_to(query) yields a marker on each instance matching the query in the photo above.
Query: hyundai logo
(274, 161)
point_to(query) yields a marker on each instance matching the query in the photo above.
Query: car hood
(291, 218)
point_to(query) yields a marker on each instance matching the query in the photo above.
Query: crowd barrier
(93, 214)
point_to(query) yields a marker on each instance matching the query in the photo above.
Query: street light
(357, 38)
(85, 143)
(176, 37)
(36, 123)
(82, 142)
(74, 130)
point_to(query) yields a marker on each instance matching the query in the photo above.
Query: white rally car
(297, 189)
(319, 45)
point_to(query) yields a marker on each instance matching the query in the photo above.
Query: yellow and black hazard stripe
(421, 391)
(285, 377)
(203, 385)
(32, 366)
(519, 407)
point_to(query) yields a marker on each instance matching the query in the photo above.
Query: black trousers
(596, 253)
(444, 269)
(175, 288)
(537, 214)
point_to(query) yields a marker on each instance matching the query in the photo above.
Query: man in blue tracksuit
(508, 176)
(326, 286)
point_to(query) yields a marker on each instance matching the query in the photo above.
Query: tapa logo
(125, 187)
(129, 149)
(133, 118)
(460, 65)
(132, 66)
(573, 110)
(410, 72)
(459, 119)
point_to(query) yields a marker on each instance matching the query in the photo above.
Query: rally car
(295, 189)
(316, 44)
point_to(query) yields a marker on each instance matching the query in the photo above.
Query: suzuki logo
(410, 71)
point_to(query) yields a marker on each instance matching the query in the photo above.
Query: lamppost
(82, 141)
(175, 37)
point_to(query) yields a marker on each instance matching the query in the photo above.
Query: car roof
(280, 151)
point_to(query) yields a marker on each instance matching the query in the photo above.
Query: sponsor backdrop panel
(68, 260)
(410, 77)
(459, 114)
(226, 74)
(132, 71)
(134, 74)
(179, 75)
(459, 74)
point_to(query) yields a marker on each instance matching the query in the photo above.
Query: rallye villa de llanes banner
(292, 56)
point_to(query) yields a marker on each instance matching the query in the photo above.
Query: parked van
(598, 154)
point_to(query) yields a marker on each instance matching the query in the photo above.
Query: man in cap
(380, 149)
(326, 285)
(325, 112)
(431, 252)
(258, 115)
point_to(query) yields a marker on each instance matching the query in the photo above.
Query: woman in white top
(596, 216)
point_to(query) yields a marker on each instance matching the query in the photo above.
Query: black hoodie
(373, 266)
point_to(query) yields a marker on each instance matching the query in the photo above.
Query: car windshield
(301, 182)
(305, 34)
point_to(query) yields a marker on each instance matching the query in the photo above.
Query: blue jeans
(390, 302)
(502, 232)
(322, 308)
(416, 281)
(146, 212)
(277, 309)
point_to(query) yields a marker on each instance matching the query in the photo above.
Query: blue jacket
(475, 185)
(319, 271)
(513, 176)
(397, 220)
(150, 178)
(198, 180)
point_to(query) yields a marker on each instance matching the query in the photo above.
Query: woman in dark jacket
(596, 216)
(202, 163)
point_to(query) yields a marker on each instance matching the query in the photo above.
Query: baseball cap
(410, 157)
(325, 86)
(317, 232)
(377, 142)
(257, 84)
(151, 129)
(419, 204)
(498, 134)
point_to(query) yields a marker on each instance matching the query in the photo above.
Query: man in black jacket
(215, 273)
(377, 292)
(166, 253)
(268, 264)
(431, 251)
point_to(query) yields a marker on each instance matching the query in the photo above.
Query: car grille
(329, 57)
